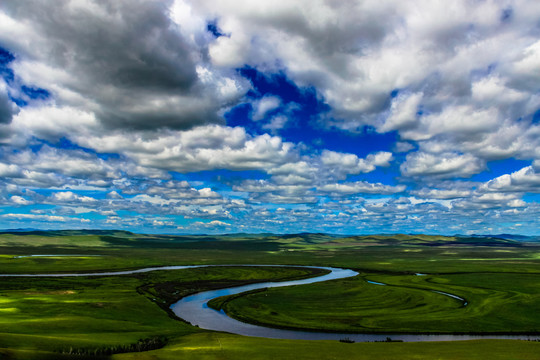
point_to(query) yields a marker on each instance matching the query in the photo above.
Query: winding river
(194, 309)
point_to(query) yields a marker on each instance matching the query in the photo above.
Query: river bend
(194, 309)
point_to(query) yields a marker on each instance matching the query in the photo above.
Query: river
(194, 309)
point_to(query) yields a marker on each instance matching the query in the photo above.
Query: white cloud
(403, 113)
(356, 53)
(445, 165)
(19, 200)
(459, 120)
(10, 170)
(402, 147)
(131, 112)
(52, 123)
(147, 72)
(461, 72)
(69, 197)
(161, 223)
(265, 105)
(341, 164)
(202, 148)
(360, 187)
(523, 180)
(229, 51)
(489, 201)
(74, 163)
(442, 194)
(214, 224)
(114, 195)
(276, 123)
(525, 68)
(264, 191)
(51, 218)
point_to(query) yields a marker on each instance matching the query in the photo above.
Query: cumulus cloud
(264, 191)
(19, 200)
(490, 201)
(201, 148)
(35, 217)
(112, 107)
(446, 165)
(144, 73)
(52, 123)
(10, 171)
(214, 225)
(69, 197)
(361, 187)
(265, 105)
(74, 163)
(37, 179)
(358, 61)
(457, 79)
(526, 179)
(181, 190)
(461, 121)
(276, 123)
(295, 173)
(403, 113)
(442, 194)
(342, 164)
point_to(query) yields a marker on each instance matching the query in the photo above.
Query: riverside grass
(209, 346)
(56, 314)
(496, 303)
(41, 317)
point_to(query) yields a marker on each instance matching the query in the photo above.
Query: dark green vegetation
(99, 313)
(48, 317)
(497, 303)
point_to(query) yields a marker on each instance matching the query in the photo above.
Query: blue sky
(278, 116)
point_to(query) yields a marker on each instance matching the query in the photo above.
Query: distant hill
(122, 233)
(18, 230)
(288, 242)
(424, 240)
(510, 237)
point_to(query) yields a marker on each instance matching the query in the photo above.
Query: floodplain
(128, 317)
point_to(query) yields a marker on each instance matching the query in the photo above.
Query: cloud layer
(205, 116)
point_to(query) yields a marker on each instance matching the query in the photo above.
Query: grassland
(496, 303)
(57, 314)
(45, 317)
(227, 347)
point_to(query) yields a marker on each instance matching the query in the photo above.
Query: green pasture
(54, 318)
(399, 253)
(209, 346)
(56, 314)
(496, 303)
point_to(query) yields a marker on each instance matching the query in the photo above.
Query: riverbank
(407, 305)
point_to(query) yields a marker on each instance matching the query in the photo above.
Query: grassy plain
(43, 317)
(496, 303)
(59, 314)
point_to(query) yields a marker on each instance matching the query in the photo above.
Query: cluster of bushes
(141, 345)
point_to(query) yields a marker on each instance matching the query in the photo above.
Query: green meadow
(496, 303)
(127, 317)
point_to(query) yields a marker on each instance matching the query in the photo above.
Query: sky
(282, 116)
